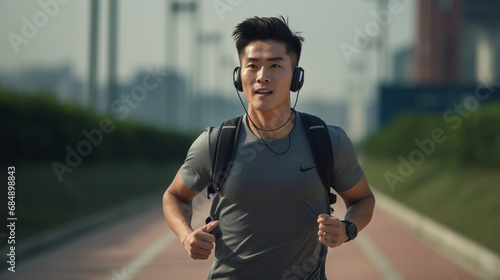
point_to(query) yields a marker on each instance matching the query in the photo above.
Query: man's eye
(275, 66)
(252, 66)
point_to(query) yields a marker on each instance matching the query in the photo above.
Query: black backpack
(319, 139)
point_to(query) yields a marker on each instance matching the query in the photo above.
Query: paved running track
(142, 247)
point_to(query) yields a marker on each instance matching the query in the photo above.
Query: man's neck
(269, 121)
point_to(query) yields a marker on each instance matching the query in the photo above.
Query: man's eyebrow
(277, 58)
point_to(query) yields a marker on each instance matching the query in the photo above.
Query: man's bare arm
(360, 203)
(178, 211)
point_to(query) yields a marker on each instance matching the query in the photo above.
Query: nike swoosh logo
(302, 169)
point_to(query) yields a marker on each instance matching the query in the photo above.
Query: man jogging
(269, 217)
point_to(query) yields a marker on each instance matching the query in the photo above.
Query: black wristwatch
(351, 230)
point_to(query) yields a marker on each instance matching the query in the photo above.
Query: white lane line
(138, 263)
(201, 206)
(377, 258)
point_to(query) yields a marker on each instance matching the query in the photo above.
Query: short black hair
(268, 28)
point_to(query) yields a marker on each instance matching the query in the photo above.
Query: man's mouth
(263, 91)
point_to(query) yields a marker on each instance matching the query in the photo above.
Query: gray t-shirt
(269, 203)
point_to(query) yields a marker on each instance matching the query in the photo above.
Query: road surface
(142, 247)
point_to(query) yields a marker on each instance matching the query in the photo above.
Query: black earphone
(297, 79)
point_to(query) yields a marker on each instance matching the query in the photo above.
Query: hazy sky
(56, 32)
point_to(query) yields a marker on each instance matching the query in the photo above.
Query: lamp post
(174, 111)
(90, 98)
(112, 53)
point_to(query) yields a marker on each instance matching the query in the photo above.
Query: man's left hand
(331, 231)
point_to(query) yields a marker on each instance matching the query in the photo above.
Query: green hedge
(478, 140)
(464, 138)
(38, 127)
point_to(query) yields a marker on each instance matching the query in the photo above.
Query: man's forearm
(360, 213)
(178, 214)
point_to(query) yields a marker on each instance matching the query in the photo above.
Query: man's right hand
(199, 243)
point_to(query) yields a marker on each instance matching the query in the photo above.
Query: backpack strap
(321, 146)
(225, 150)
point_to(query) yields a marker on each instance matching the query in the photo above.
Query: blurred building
(457, 41)
(153, 102)
(404, 66)
(60, 80)
(457, 51)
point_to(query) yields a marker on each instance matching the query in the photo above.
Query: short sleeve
(197, 167)
(347, 170)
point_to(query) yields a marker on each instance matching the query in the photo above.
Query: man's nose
(263, 76)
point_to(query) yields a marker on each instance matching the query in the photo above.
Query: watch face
(353, 231)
